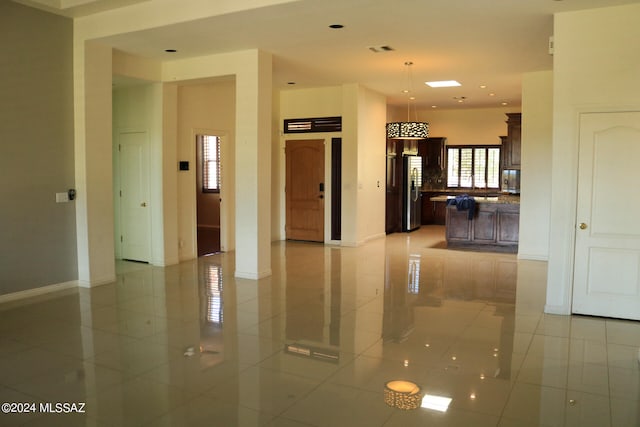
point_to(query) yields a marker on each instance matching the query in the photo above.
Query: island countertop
(507, 199)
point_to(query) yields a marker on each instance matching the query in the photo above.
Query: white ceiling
(476, 42)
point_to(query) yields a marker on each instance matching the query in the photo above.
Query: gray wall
(37, 235)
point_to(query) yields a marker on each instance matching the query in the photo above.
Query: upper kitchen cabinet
(432, 152)
(511, 144)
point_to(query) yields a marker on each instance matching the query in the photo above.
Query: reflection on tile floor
(315, 343)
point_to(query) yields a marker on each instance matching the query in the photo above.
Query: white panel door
(607, 252)
(135, 219)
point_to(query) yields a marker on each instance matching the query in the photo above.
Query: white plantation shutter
(211, 163)
(473, 167)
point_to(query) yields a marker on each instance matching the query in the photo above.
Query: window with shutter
(210, 163)
(473, 167)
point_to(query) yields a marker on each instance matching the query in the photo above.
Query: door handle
(143, 204)
(582, 226)
(321, 196)
(321, 187)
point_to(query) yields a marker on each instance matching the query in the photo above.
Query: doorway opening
(208, 185)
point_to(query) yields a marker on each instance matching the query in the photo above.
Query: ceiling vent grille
(316, 124)
(378, 49)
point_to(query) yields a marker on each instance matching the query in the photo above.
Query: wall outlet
(62, 197)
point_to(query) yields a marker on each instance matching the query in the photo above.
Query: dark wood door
(305, 190)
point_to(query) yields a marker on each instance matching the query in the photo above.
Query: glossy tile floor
(315, 343)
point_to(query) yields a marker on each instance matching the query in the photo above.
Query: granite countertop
(507, 199)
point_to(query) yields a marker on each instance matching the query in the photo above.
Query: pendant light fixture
(409, 129)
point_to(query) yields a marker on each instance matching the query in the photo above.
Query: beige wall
(468, 126)
(596, 68)
(37, 235)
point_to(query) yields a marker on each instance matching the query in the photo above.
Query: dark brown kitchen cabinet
(512, 143)
(494, 226)
(432, 152)
(433, 212)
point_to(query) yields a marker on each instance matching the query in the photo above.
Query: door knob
(583, 226)
(143, 204)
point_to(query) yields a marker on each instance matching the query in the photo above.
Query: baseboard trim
(557, 309)
(532, 257)
(43, 290)
(253, 276)
(94, 283)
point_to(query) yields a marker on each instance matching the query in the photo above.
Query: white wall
(205, 107)
(363, 115)
(596, 69)
(371, 164)
(139, 109)
(93, 161)
(303, 103)
(535, 199)
(92, 115)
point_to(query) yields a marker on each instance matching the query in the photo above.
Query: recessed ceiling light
(492, 94)
(504, 103)
(483, 86)
(336, 26)
(434, 106)
(170, 50)
(443, 83)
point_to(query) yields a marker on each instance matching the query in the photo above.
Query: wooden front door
(305, 190)
(607, 248)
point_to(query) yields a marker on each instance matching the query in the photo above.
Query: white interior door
(135, 218)
(607, 252)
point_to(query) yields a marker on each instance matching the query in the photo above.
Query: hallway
(315, 343)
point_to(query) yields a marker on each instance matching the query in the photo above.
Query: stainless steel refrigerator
(411, 193)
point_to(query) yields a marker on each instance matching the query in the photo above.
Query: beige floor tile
(536, 405)
(263, 390)
(333, 405)
(452, 418)
(587, 410)
(623, 332)
(160, 347)
(543, 371)
(204, 412)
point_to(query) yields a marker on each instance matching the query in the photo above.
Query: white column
(93, 163)
(253, 167)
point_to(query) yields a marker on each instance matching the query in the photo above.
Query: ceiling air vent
(378, 49)
(316, 124)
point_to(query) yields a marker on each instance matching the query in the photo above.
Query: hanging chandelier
(409, 129)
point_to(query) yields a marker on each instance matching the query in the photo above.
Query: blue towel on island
(464, 203)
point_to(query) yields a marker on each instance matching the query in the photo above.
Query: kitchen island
(494, 225)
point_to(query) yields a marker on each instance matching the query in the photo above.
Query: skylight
(443, 83)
